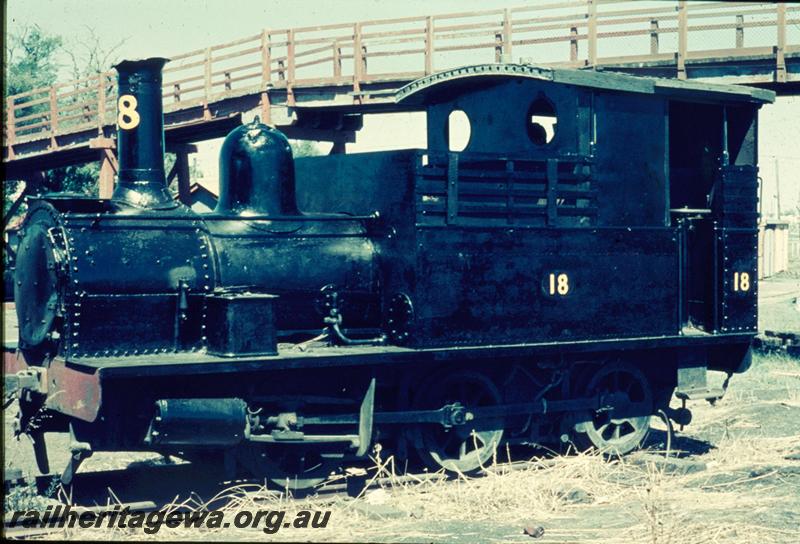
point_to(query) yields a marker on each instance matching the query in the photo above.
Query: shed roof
(426, 89)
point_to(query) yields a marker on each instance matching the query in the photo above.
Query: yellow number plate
(128, 117)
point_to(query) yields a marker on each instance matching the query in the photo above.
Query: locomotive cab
(583, 208)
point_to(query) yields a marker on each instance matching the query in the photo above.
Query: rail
(574, 33)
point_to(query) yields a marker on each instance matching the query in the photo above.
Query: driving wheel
(467, 447)
(622, 421)
(289, 467)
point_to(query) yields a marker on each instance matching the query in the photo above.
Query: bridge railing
(570, 33)
(80, 104)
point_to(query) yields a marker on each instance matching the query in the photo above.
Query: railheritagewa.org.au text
(268, 521)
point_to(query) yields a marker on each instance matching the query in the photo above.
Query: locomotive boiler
(588, 253)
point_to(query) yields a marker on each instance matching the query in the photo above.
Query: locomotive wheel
(462, 448)
(619, 430)
(289, 467)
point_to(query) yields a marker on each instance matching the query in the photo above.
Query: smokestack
(140, 135)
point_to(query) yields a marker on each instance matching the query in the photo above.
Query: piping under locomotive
(545, 283)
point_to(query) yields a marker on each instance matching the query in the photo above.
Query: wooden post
(654, 37)
(337, 59)
(357, 60)
(739, 31)
(207, 66)
(506, 36)
(108, 165)
(573, 44)
(266, 61)
(266, 75)
(184, 181)
(266, 109)
(101, 102)
(428, 45)
(10, 126)
(53, 118)
(290, 61)
(592, 26)
(683, 29)
(780, 61)
(107, 174)
(338, 147)
(363, 61)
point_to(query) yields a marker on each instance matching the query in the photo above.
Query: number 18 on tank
(741, 281)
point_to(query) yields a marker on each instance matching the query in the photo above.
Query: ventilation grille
(487, 190)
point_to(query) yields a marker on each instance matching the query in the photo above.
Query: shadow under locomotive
(588, 250)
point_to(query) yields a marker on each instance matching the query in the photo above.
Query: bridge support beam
(180, 170)
(266, 109)
(780, 59)
(108, 165)
(683, 32)
(338, 148)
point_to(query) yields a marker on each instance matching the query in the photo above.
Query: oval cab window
(541, 121)
(458, 130)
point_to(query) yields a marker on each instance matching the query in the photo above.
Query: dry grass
(749, 491)
(576, 498)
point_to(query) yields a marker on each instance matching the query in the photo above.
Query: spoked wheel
(622, 423)
(461, 448)
(289, 467)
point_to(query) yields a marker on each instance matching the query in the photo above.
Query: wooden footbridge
(312, 82)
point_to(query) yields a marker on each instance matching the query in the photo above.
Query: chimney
(140, 136)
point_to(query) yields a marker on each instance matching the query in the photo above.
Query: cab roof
(433, 88)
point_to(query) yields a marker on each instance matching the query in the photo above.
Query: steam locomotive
(587, 253)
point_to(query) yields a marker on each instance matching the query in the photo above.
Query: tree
(304, 148)
(30, 64)
(30, 60)
(78, 179)
(89, 56)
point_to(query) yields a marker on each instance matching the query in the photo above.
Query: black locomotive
(588, 253)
